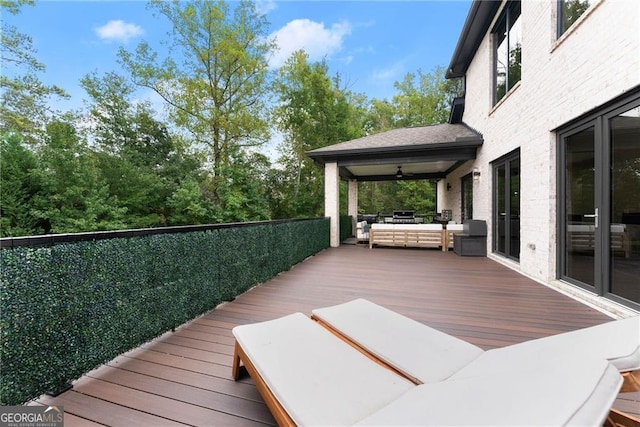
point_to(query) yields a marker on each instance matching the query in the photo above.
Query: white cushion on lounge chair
(416, 350)
(617, 341)
(579, 394)
(317, 378)
(429, 355)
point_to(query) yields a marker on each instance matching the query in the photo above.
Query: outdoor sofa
(408, 235)
(361, 364)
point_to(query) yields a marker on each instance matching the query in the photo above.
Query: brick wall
(595, 61)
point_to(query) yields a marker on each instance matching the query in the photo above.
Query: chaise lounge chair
(424, 355)
(310, 376)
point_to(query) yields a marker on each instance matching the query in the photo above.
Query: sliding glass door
(599, 239)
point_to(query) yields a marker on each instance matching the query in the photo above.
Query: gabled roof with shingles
(405, 139)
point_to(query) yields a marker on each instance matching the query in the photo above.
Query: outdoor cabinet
(473, 239)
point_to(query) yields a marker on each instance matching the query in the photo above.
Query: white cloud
(388, 74)
(347, 59)
(316, 39)
(265, 6)
(118, 30)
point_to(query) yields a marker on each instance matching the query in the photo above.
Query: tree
(73, 196)
(424, 98)
(24, 99)
(244, 188)
(380, 116)
(20, 185)
(215, 82)
(313, 111)
(140, 161)
(110, 108)
(189, 205)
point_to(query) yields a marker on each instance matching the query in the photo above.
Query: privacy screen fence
(81, 300)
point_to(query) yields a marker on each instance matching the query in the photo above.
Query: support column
(332, 200)
(352, 203)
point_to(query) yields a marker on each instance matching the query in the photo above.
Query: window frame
(599, 118)
(506, 21)
(560, 30)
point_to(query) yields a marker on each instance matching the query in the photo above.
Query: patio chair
(362, 232)
(309, 376)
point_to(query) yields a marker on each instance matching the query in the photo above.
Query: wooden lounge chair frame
(240, 359)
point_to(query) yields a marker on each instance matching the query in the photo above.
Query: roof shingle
(404, 138)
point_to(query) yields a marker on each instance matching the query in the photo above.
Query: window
(507, 50)
(569, 11)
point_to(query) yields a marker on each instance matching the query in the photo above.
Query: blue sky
(371, 44)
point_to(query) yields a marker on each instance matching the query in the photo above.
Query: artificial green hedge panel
(66, 309)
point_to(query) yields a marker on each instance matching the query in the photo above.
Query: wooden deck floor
(184, 377)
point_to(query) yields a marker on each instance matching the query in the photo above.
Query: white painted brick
(597, 61)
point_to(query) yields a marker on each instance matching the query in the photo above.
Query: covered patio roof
(425, 152)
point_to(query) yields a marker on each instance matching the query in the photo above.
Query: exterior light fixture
(399, 173)
(448, 187)
(476, 174)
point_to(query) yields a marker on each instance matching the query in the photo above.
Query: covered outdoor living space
(414, 153)
(184, 377)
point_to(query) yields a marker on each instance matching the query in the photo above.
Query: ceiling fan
(400, 174)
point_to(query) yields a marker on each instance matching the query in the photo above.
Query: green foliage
(384, 197)
(217, 90)
(189, 204)
(20, 184)
(24, 99)
(73, 196)
(313, 112)
(242, 190)
(68, 308)
(423, 99)
(572, 10)
(126, 168)
(142, 164)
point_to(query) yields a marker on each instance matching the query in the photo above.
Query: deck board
(184, 377)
